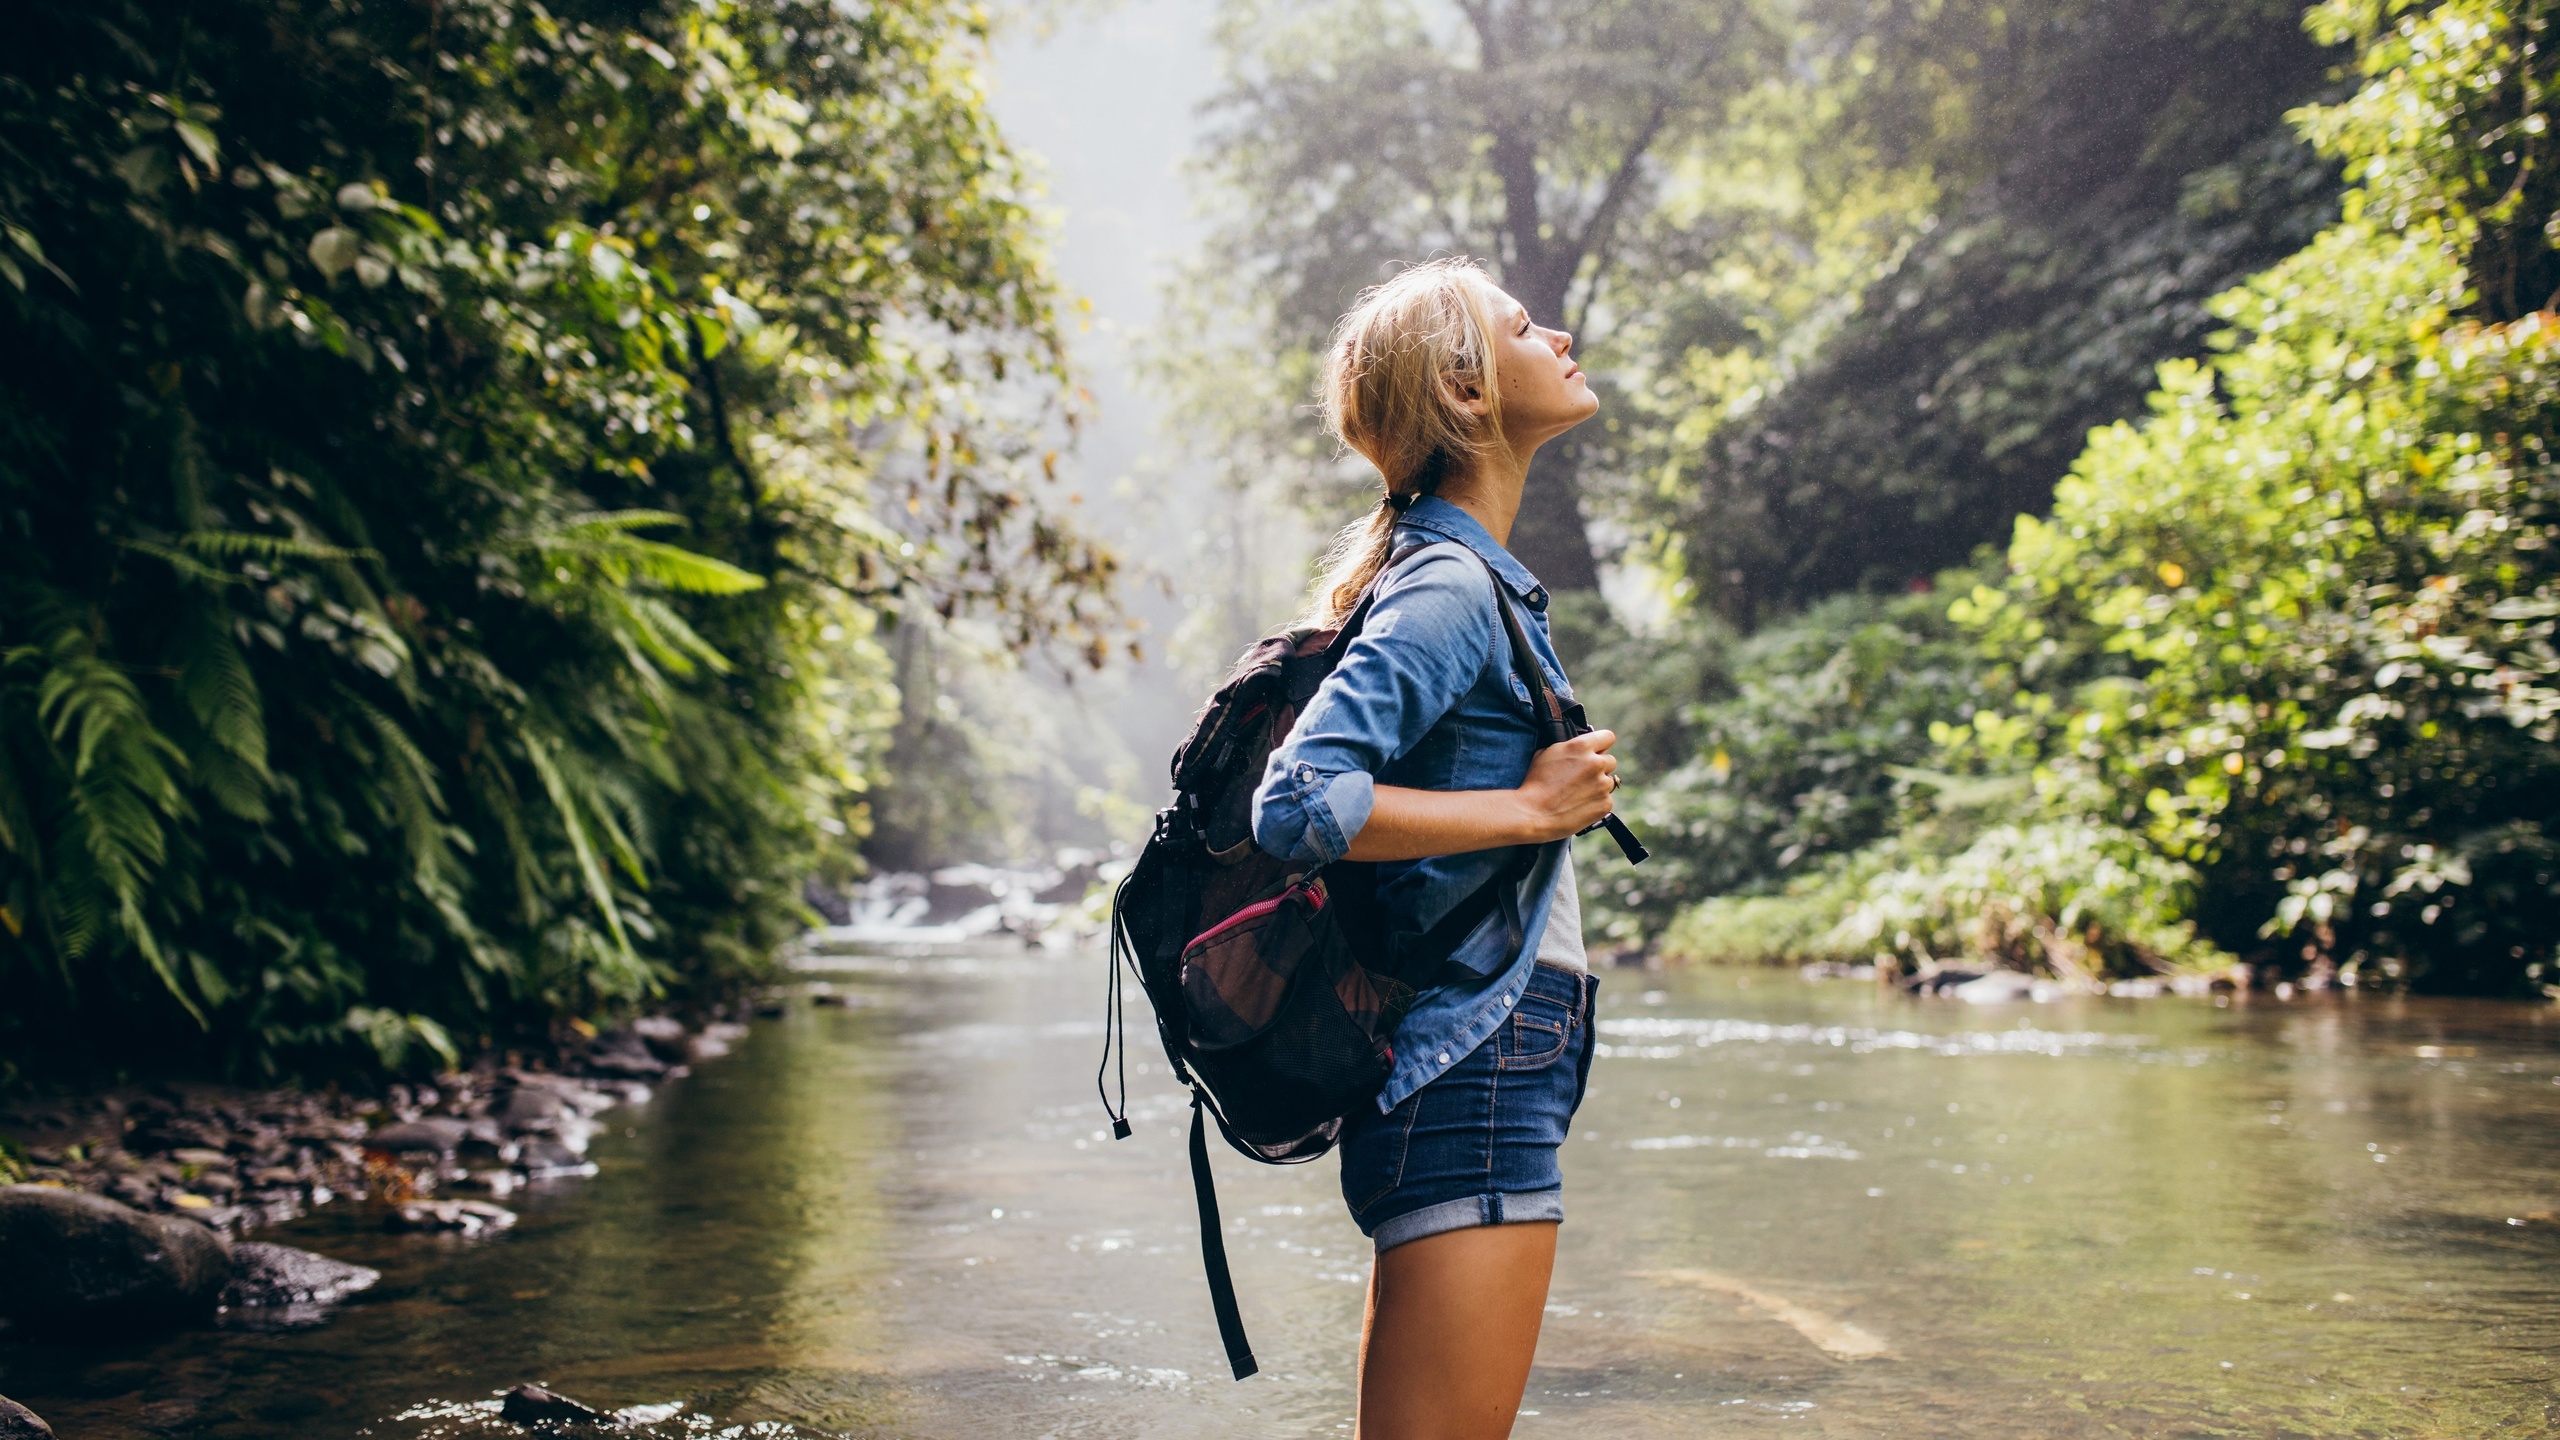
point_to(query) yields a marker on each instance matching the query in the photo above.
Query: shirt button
(1444, 1057)
(1506, 1002)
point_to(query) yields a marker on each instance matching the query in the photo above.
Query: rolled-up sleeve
(1427, 639)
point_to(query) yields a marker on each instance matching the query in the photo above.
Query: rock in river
(533, 1405)
(460, 1217)
(263, 1274)
(81, 1263)
(17, 1422)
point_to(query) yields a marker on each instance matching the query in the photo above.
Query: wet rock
(547, 1153)
(449, 1217)
(623, 1056)
(84, 1264)
(528, 1108)
(1997, 988)
(159, 1132)
(17, 1422)
(533, 1405)
(263, 1274)
(715, 1040)
(1939, 982)
(664, 1035)
(434, 1135)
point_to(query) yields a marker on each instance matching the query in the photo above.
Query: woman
(1419, 753)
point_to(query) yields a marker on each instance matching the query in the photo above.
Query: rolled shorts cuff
(1468, 1212)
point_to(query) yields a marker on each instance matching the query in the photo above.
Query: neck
(1489, 491)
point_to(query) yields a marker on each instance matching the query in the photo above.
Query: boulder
(434, 1135)
(17, 1422)
(533, 1405)
(263, 1274)
(83, 1264)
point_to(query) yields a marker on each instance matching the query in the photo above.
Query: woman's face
(1544, 393)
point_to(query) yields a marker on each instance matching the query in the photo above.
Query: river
(1795, 1208)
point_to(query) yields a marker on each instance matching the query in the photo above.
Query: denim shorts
(1477, 1146)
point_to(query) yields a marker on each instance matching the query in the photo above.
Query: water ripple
(1857, 1039)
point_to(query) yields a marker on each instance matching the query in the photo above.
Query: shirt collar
(1444, 519)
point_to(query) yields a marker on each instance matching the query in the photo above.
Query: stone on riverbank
(263, 1274)
(451, 1217)
(431, 1135)
(79, 1263)
(17, 1422)
(533, 1405)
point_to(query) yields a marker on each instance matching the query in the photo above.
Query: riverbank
(235, 1159)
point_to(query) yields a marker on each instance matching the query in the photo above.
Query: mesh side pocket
(1236, 975)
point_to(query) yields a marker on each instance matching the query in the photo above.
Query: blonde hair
(1397, 374)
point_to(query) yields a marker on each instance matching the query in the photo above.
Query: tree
(2298, 626)
(455, 461)
(2024, 209)
(1357, 134)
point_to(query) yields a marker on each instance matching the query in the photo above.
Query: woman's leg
(1452, 1325)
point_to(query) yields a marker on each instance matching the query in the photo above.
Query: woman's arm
(1567, 790)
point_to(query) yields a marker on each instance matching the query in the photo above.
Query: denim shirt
(1426, 698)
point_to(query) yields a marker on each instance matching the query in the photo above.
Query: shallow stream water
(1795, 1208)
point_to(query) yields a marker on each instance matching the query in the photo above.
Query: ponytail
(1396, 376)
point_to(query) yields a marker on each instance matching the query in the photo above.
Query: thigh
(1453, 1324)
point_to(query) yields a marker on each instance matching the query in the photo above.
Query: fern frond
(538, 751)
(222, 696)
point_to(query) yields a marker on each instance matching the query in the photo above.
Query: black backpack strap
(1557, 722)
(1213, 1248)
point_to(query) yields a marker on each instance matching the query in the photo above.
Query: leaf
(334, 249)
(598, 890)
(198, 139)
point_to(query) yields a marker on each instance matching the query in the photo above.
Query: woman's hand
(1570, 786)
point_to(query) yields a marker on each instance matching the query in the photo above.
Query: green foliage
(2298, 626)
(2082, 900)
(455, 459)
(1967, 238)
(1791, 748)
(2278, 675)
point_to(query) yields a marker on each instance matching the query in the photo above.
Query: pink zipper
(1306, 890)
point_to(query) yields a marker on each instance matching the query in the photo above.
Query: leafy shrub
(1791, 747)
(2297, 628)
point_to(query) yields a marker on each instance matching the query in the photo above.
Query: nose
(1562, 340)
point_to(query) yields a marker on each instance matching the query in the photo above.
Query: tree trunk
(1549, 536)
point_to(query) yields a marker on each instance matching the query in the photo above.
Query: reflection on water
(1794, 1207)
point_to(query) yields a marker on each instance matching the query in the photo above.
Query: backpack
(1277, 985)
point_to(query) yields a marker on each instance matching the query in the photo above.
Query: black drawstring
(1115, 1023)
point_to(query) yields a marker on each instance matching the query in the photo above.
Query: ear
(1464, 395)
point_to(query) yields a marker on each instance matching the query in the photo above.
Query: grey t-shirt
(1561, 945)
